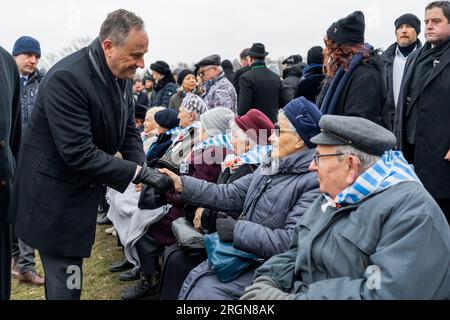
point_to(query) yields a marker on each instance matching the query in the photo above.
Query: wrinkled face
(208, 72)
(27, 63)
(149, 124)
(240, 142)
(123, 60)
(437, 26)
(334, 174)
(285, 141)
(186, 118)
(406, 35)
(189, 83)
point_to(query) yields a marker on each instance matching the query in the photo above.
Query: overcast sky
(188, 30)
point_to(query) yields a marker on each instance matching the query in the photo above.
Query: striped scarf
(174, 132)
(389, 171)
(221, 140)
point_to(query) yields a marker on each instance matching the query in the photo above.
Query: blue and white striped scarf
(185, 132)
(221, 140)
(257, 154)
(389, 171)
(174, 132)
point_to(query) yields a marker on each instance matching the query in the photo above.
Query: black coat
(261, 89)
(163, 92)
(10, 134)
(311, 84)
(433, 133)
(365, 94)
(388, 57)
(291, 78)
(79, 122)
(239, 73)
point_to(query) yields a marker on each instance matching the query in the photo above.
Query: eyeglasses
(317, 157)
(202, 73)
(279, 130)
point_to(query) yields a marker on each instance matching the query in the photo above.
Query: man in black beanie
(407, 30)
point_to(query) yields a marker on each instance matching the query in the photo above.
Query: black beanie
(140, 111)
(349, 30)
(315, 55)
(183, 74)
(161, 67)
(167, 118)
(410, 19)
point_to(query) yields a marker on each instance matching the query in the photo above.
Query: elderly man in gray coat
(375, 233)
(271, 202)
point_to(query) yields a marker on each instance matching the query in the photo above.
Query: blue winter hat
(167, 118)
(305, 117)
(26, 45)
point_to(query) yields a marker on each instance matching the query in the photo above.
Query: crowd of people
(327, 180)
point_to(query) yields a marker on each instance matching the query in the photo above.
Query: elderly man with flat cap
(374, 233)
(219, 92)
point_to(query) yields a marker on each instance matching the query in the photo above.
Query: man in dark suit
(260, 88)
(423, 113)
(10, 135)
(83, 115)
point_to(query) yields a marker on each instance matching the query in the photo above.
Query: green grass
(98, 282)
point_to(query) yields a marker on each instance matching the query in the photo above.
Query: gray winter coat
(396, 242)
(267, 230)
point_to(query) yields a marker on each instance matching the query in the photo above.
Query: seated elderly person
(271, 202)
(375, 233)
(204, 162)
(167, 121)
(246, 158)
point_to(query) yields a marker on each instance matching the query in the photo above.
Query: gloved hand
(265, 288)
(152, 177)
(225, 228)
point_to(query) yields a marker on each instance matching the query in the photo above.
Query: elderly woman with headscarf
(271, 201)
(249, 152)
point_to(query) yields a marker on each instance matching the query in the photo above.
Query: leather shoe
(104, 220)
(121, 266)
(15, 273)
(131, 275)
(31, 277)
(140, 290)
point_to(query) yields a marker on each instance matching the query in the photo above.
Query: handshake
(153, 178)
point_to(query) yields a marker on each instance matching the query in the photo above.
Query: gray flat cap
(359, 133)
(213, 60)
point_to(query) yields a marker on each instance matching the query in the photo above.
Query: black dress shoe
(140, 290)
(104, 221)
(131, 275)
(121, 266)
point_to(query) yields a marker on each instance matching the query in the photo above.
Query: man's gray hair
(118, 25)
(367, 160)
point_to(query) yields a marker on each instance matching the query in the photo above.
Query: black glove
(225, 228)
(152, 177)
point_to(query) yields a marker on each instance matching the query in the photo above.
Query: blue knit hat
(26, 45)
(305, 117)
(167, 118)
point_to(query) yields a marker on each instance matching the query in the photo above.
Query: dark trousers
(149, 252)
(63, 277)
(445, 207)
(5, 261)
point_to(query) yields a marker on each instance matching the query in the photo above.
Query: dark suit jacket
(261, 89)
(10, 132)
(68, 154)
(433, 134)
